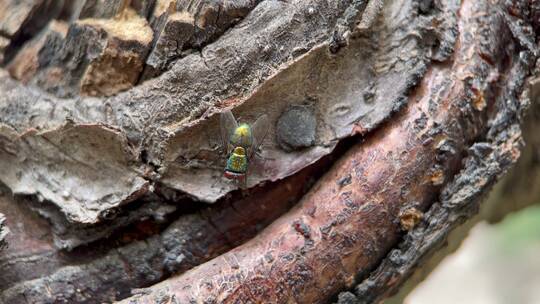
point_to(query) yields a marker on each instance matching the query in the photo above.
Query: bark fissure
(177, 30)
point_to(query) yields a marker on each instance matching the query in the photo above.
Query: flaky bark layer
(34, 271)
(164, 133)
(61, 138)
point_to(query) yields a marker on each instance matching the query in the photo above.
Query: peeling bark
(3, 231)
(89, 276)
(155, 128)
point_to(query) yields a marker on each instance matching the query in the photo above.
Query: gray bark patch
(296, 128)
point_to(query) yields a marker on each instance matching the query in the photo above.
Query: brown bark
(103, 274)
(110, 131)
(3, 231)
(350, 220)
(517, 190)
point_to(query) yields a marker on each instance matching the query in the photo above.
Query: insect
(241, 142)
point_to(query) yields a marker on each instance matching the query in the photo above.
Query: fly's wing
(259, 131)
(227, 124)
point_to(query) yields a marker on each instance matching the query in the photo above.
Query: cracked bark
(148, 131)
(3, 231)
(138, 257)
(518, 189)
(468, 106)
(110, 131)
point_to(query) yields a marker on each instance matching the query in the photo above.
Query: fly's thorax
(239, 151)
(242, 136)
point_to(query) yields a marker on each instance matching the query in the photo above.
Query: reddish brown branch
(190, 240)
(350, 220)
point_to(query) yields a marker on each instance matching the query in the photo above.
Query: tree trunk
(390, 121)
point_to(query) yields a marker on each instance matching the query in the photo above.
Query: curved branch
(191, 239)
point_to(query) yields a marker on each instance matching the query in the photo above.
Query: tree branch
(100, 273)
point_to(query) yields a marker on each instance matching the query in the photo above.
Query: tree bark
(3, 231)
(109, 138)
(518, 189)
(140, 256)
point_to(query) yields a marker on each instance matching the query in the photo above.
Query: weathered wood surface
(517, 190)
(164, 130)
(340, 231)
(136, 257)
(3, 231)
(111, 128)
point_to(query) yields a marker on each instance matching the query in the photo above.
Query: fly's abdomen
(237, 163)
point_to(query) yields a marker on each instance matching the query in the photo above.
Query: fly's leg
(227, 150)
(244, 180)
(260, 163)
(258, 154)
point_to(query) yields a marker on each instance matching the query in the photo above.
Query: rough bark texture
(518, 189)
(334, 237)
(109, 138)
(82, 185)
(158, 121)
(138, 257)
(3, 231)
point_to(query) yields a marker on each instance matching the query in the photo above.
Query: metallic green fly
(241, 142)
